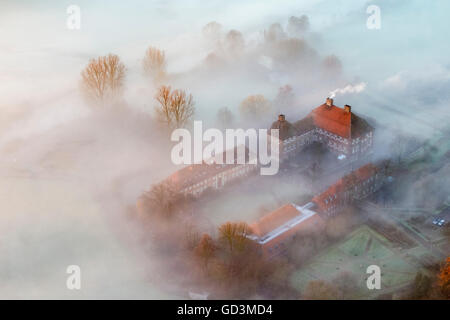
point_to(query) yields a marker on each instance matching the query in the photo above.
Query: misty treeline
(281, 55)
(226, 263)
(278, 50)
(103, 80)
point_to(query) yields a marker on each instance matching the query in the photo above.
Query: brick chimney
(347, 108)
(329, 102)
(281, 118)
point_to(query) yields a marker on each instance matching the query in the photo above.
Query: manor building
(274, 231)
(339, 129)
(354, 186)
(195, 179)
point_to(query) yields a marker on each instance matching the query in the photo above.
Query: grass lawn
(361, 248)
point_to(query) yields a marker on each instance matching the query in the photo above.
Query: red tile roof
(366, 172)
(196, 173)
(274, 219)
(333, 193)
(327, 117)
(333, 119)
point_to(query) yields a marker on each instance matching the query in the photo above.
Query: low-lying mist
(71, 173)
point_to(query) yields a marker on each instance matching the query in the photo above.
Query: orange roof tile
(361, 174)
(333, 119)
(196, 173)
(274, 219)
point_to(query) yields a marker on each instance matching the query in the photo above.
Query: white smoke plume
(349, 89)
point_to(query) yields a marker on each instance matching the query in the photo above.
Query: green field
(363, 247)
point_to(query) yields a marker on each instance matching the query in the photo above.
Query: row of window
(198, 188)
(333, 136)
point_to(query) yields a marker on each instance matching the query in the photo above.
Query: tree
(421, 286)
(212, 31)
(154, 63)
(239, 264)
(291, 50)
(103, 78)
(175, 108)
(205, 249)
(444, 279)
(285, 98)
(297, 25)
(254, 106)
(234, 42)
(233, 235)
(162, 199)
(274, 33)
(321, 290)
(225, 117)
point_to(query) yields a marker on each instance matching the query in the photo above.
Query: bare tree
(103, 78)
(160, 199)
(175, 108)
(154, 63)
(254, 106)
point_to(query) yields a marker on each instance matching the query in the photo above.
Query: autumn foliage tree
(103, 79)
(205, 249)
(444, 279)
(254, 106)
(233, 235)
(154, 63)
(175, 108)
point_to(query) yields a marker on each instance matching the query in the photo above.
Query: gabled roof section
(333, 119)
(274, 219)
